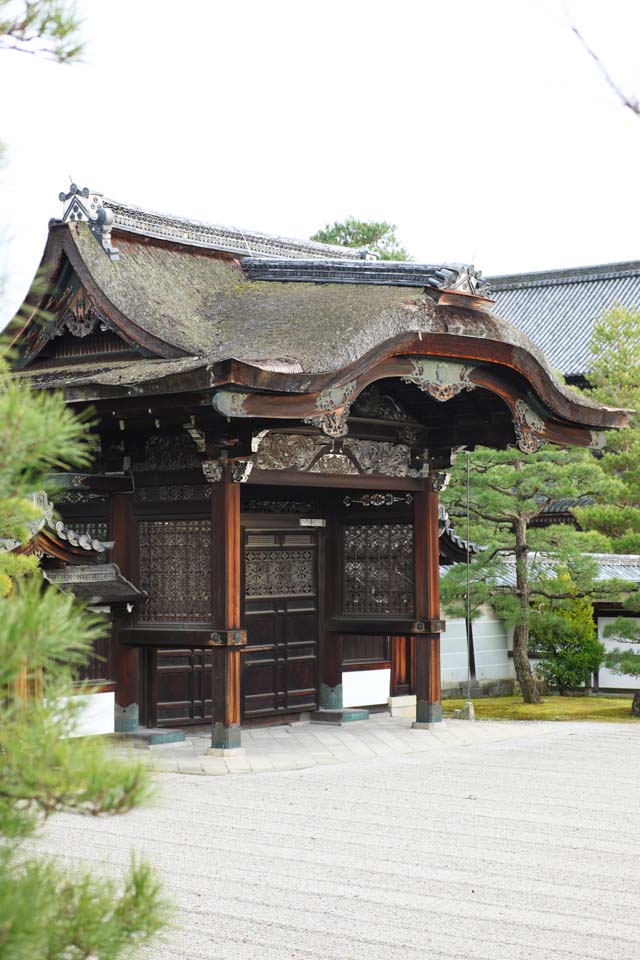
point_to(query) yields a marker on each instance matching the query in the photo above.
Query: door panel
(281, 616)
(183, 687)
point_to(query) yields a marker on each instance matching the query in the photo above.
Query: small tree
(564, 636)
(378, 236)
(519, 567)
(44, 635)
(625, 662)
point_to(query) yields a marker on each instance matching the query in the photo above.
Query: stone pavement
(297, 746)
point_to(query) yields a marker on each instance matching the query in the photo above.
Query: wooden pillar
(331, 697)
(125, 659)
(331, 672)
(427, 600)
(226, 613)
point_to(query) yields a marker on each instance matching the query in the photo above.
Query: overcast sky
(479, 127)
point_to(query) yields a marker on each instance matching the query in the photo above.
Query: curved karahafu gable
(286, 336)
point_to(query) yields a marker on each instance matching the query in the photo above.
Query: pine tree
(614, 378)
(44, 635)
(523, 564)
(623, 660)
(376, 236)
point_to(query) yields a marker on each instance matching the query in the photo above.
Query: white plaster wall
(363, 688)
(96, 715)
(491, 648)
(606, 678)
(453, 652)
(490, 644)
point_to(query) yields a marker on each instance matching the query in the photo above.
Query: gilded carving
(212, 469)
(336, 401)
(441, 379)
(336, 464)
(529, 427)
(439, 481)
(229, 403)
(286, 451)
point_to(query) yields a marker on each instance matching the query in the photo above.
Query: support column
(226, 613)
(427, 600)
(125, 659)
(331, 673)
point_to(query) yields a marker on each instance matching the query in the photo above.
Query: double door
(280, 663)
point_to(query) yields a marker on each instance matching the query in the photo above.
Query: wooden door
(280, 664)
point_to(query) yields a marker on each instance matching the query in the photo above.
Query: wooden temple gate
(271, 433)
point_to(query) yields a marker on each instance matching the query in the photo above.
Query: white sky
(480, 127)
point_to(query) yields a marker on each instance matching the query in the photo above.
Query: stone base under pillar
(126, 719)
(428, 712)
(226, 738)
(330, 697)
(338, 717)
(438, 725)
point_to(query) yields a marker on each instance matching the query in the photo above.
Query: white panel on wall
(97, 714)
(491, 649)
(363, 688)
(606, 678)
(453, 652)
(490, 645)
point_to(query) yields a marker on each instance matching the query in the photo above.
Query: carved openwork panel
(280, 572)
(378, 569)
(175, 570)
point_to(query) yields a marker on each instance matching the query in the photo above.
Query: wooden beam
(226, 569)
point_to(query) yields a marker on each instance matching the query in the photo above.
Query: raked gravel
(525, 846)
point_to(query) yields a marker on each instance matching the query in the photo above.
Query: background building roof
(557, 308)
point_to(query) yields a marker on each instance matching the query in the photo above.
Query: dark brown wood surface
(280, 664)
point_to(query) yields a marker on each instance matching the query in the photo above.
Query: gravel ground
(526, 847)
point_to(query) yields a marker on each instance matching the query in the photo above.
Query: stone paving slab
(302, 745)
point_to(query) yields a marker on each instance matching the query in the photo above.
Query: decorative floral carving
(175, 491)
(175, 570)
(79, 314)
(372, 402)
(439, 481)
(336, 401)
(441, 379)
(336, 464)
(240, 470)
(287, 451)
(378, 568)
(529, 427)
(212, 470)
(275, 573)
(169, 452)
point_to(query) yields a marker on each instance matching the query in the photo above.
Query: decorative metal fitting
(440, 379)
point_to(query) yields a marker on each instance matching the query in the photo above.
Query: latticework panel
(378, 569)
(279, 573)
(175, 570)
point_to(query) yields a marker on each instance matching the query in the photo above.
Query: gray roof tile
(557, 308)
